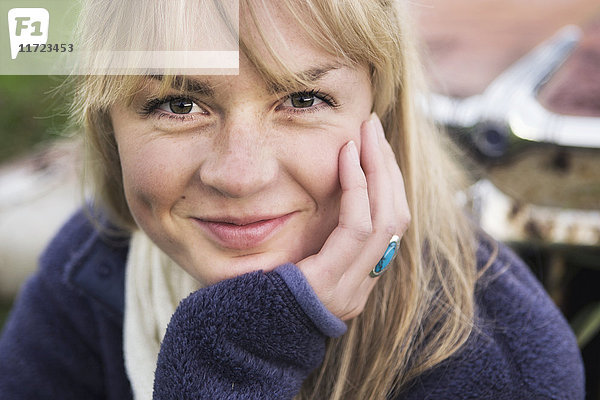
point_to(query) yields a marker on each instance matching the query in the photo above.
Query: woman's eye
(180, 106)
(302, 100)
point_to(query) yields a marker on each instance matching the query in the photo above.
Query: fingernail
(378, 129)
(353, 151)
(370, 124)
(373, 130)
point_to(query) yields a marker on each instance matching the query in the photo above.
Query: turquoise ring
(387, 258)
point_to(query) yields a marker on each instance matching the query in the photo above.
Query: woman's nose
(241, 163)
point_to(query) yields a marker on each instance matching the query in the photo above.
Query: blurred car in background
(518, 86)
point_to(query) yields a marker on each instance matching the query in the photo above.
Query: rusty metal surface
(512, 221)
(552, 176)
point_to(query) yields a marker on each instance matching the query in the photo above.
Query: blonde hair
(421, 311)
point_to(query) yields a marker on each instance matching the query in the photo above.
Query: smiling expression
(230, 176)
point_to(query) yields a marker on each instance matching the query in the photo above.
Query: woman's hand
(373, 208)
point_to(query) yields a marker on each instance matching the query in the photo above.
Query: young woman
(266, 201)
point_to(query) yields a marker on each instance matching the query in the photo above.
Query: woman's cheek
(324, 155)
(151, 174)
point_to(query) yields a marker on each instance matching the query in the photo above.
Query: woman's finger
(379, 184)
(396, 177)
(381, 201)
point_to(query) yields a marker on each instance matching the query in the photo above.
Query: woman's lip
(240, 235)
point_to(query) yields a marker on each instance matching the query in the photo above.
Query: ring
(387, 258)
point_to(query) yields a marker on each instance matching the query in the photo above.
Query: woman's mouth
(239, 234)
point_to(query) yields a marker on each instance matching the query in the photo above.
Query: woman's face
(230, 177)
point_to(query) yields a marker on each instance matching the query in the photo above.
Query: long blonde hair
(421, 311)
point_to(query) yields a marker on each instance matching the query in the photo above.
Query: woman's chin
(224, 268)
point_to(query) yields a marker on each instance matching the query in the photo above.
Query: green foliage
(5, 306)
(32, 111)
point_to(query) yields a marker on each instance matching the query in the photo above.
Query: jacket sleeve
(521, 346)
(44, 352)
(256, 336)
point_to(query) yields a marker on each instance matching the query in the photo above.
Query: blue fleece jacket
(259, 335)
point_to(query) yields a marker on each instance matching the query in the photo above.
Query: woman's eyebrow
(314, 74)
(191, 85)
(188, 85)
(310, 75)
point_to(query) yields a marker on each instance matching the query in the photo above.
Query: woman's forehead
(272, 44)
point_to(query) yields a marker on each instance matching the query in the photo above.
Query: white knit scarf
(154, 286)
